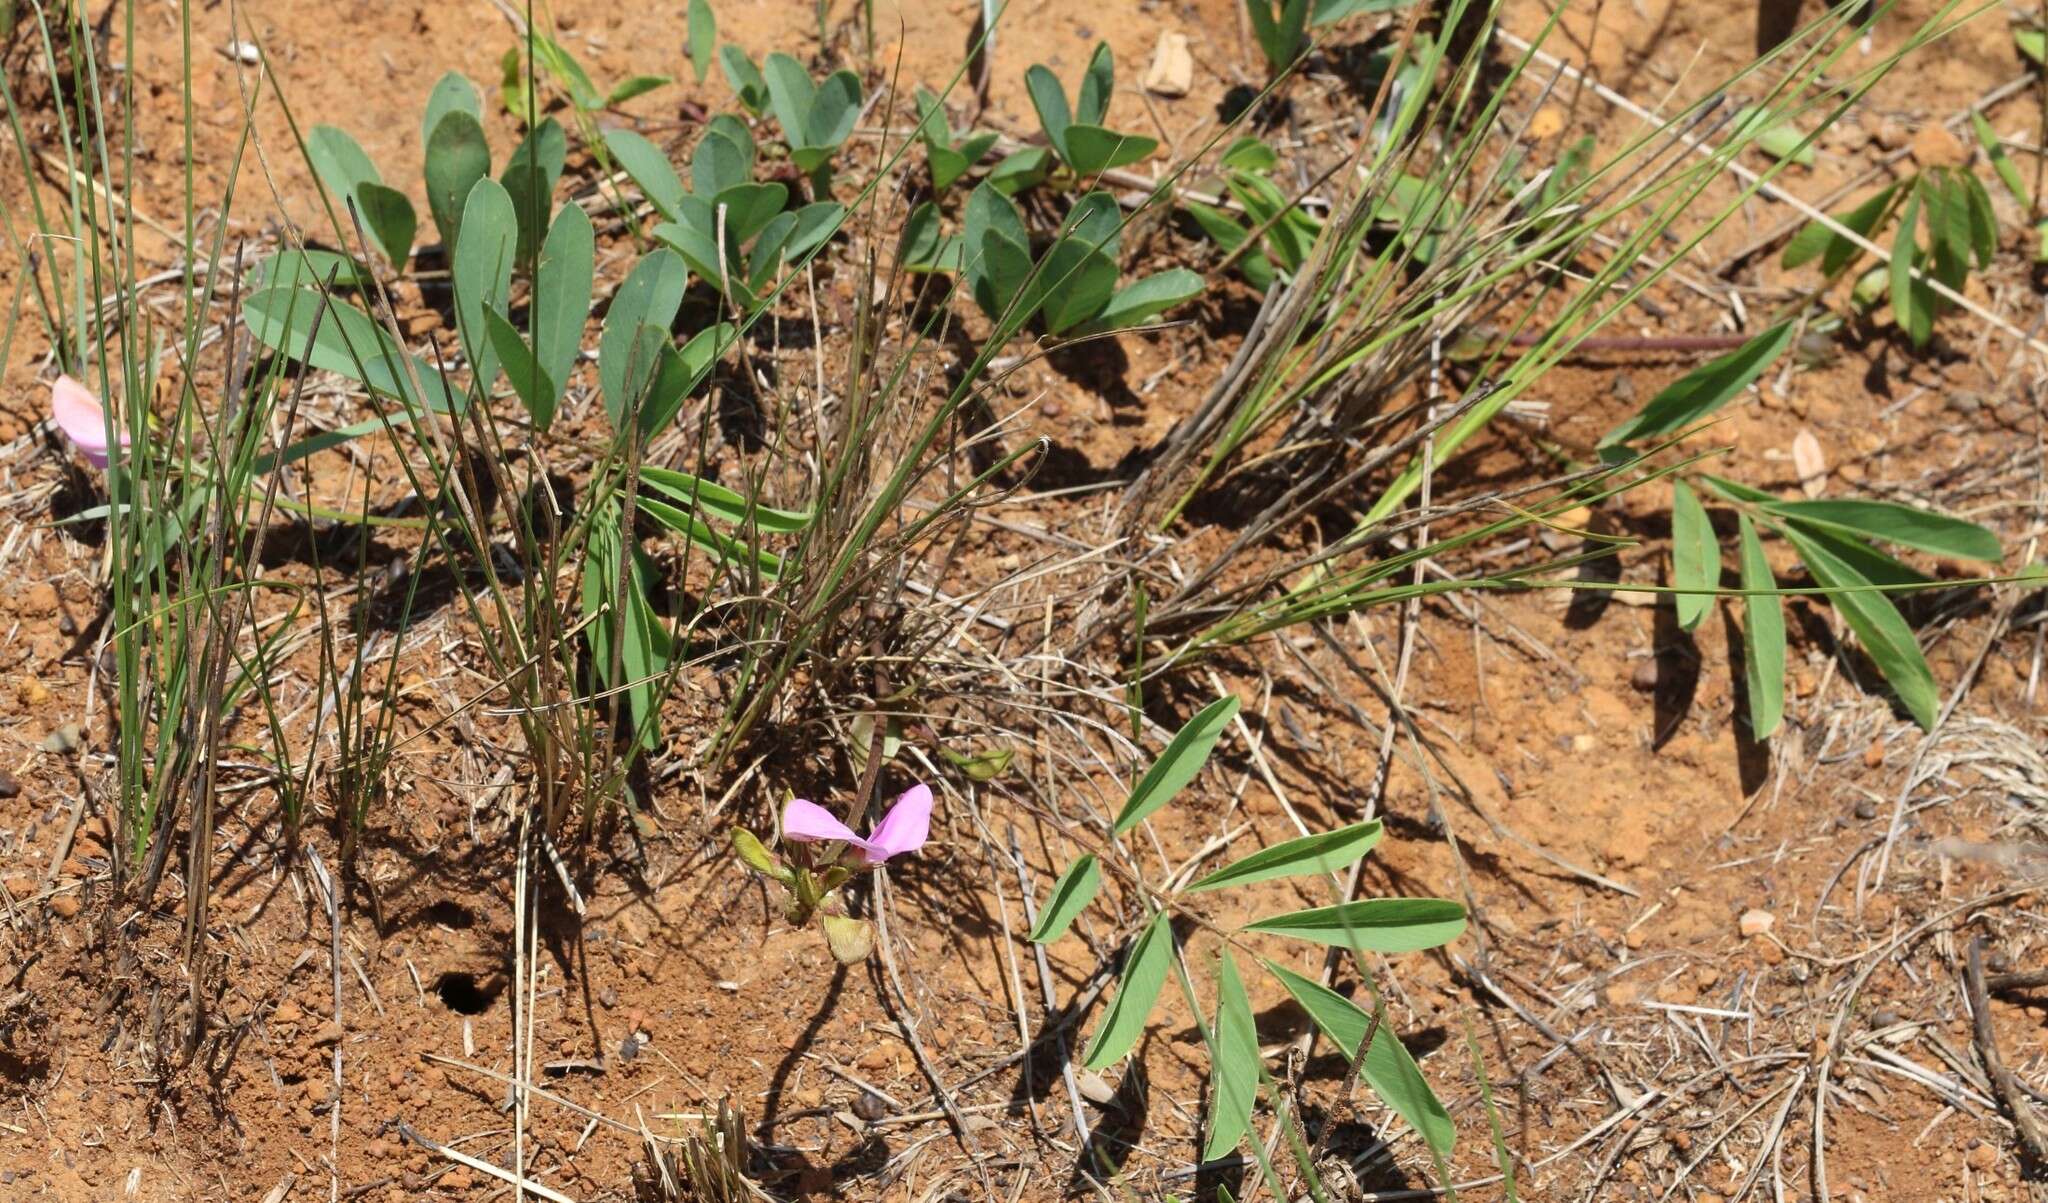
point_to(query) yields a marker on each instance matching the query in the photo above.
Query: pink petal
(905, 828)
(80, 417)
(806, 822)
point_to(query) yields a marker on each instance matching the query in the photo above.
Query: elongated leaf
(1878, 625)
(1233, 1063)
(649, 297)
(1816, 241)
(1144, 973)
(718, 501)
(1910, 308)
(1704, 389)
(727, 550)
(339, 162)
(1695, 555)
(483, 273)
(681, 372)
(1890, 522)
(536, 392)
(1373, 924)
(456, 158)
(1070, 895)
(452, 93)
(650, 169)
(1324, 852)
(1763, 653)
(2001, 162)
(1184, 757)
(637, 85)
(561, 301)
(1776, 137)
(834, 109)
(348, 343)
(1388, 1069)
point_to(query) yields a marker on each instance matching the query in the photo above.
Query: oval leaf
(483, 273)
(561, 300)
(457, 157)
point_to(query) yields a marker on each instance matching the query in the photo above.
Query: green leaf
(1983, 221)
(1763, 655)
(561, 301)
(338, 162)
(2001, 162)
(719, 163)
(650, 170)
(681, 372)
(649, 297)
(744, 78)
(1234, 1063)
(514, 88)
(1835, 251)
(348, 343)
(728, 551)
(1097, 82)
(1026, 168)
(1070, 895)
(1704, 389)
(703, 41)
(636, 85)
(388, 217)
(1890, 522)
(1184, 757)
(1138, 302)
(452, 93)
(1050, 99)
(1327, 11)
(536, 392)
(717, 500)
(566, 71)
(529, 178)
(1373, 924)
(310, 269)
(1325, 852)
(1072, 285)
(1695, 555)
(1910, 297)
(1778, 137)
(1878, 625)
(1092, 150)
(749, 207)
(747, 846)
(2032, 43)
(483, 273)
(1388, 1069)
(457, 157)
(1144, 973)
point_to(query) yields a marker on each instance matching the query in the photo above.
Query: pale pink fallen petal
(905, 828)
(80, 417)
(807, 821)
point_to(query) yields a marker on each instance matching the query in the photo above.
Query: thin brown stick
(2016, 1103)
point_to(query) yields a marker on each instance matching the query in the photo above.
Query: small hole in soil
(460, 993)
(449, 914)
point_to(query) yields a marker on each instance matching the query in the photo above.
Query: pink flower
(903, 829)
(80, 417)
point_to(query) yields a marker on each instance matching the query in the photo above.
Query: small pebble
(869, 1106)
(1981, 1156)
(629, 1048)
(1644, 678)
(1883, 1017)
(9, 787)
(1866, 808)
(66, 625)
(1756, 923)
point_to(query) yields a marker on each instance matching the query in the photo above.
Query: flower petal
(807, 822)
(905, 828)
(80, 417)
